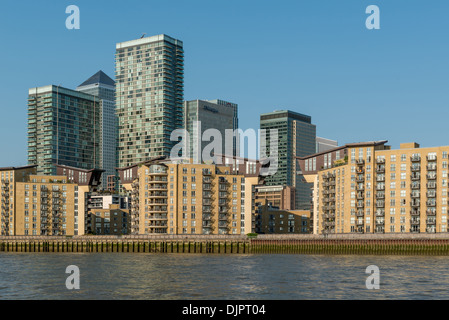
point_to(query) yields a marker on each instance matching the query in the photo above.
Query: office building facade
(103, 87)
(201, 116)
(296, 137)
(323, 144)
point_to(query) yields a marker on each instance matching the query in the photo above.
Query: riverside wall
(373, 244)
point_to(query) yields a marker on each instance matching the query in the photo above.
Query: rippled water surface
(220, 277)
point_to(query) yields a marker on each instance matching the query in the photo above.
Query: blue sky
(311, 56)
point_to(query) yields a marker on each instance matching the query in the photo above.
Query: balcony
(360, 195)
(415, 203)
(415, 158)
(380, 187)
(207, 195)
(431, 203)
(431, 194)
(207, 217)
(155, 187)
(380, 169)
(380, 160)
(415, 195)
(414, 222)
(207, 172)
(431, 185)
(380, 222)
(223, 210)
(415, 186)
(431, 212)
(329, 224)
(432, 158)
(415, 177)
(415, 168)
(380, 204)
(360, 162)
(360, 213)
(380, 195)
(359, 222)
(207, 180)
(380, 212)
(432, 167)
(415, 212)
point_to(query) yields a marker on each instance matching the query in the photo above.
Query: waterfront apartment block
(88, 182)
(107, 214)
(282, 197)
(149, 97)
(201, 116)
(103, 87)
(273, 220)
(296, 138)
(186, 198)
(375, 189)
(37, 204)
(63, 128)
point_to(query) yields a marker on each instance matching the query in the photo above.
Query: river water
(220, 277)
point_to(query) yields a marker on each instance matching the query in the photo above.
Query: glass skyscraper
(202, 115)
(103, 87)
(149, 91)
(297, 138)
(63, 128)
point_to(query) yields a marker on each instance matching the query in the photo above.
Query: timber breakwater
(422, 244)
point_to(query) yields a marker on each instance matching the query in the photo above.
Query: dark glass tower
(103, 87)
(297, 138)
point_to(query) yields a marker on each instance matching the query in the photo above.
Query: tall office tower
(103, 87)
(63, 128)
(150, 88)
(296, 137)
(323, 144)
(201, 116)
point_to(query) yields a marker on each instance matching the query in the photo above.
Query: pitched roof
(99, 77)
